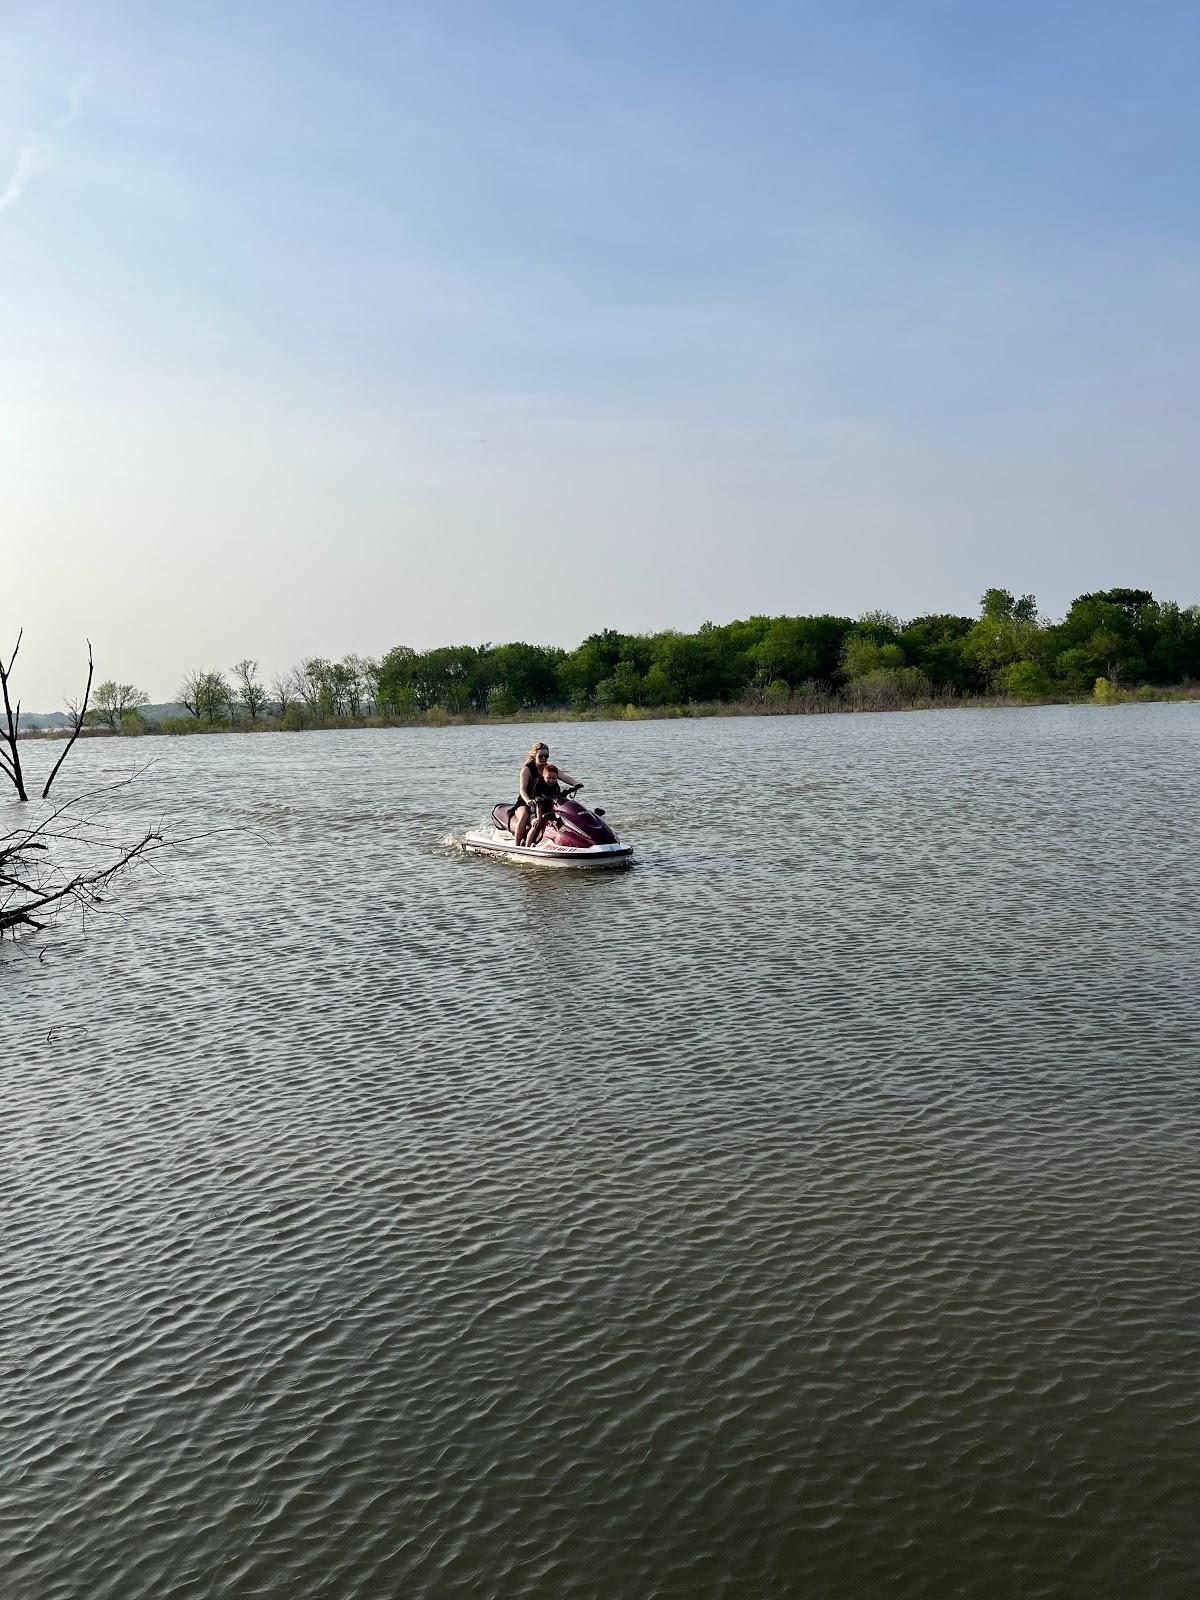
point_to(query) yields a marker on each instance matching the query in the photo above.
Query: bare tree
(249, 690)
(77, 710)
(188, 692)
(371, 670)
(283, 687)
(10, 757)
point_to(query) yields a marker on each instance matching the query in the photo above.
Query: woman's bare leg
(519, 823)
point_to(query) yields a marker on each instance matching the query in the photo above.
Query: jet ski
(573, 837)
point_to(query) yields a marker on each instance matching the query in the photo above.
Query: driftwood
(72, 855)
(34, 886)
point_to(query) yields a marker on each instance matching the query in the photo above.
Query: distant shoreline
(798, 705)
(1112, 646)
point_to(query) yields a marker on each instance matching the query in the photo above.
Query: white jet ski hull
(491, 842)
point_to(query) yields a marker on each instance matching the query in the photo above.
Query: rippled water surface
(809, 1210)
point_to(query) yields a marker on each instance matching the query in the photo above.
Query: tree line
(1119, 638)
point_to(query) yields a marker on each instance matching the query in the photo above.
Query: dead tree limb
(78, 711)
(30, 890)
(34, 883)
(10, 760)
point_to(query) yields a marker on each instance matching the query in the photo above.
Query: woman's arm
(566, 779)
(523, 784)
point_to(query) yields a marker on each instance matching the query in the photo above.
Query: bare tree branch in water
(34, 885)
(78, 710)
(10, 759)
(32, 888)
(72, 855)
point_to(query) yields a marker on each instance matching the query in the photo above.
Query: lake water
(810, 1210)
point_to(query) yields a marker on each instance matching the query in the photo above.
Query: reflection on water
(810, 1210)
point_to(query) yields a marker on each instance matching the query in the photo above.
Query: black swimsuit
(538, 788)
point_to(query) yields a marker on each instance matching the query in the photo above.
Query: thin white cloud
(30, 159)
(74, 105)
(36, 154)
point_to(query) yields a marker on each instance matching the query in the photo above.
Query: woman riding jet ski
(546, 825)
(531, 788)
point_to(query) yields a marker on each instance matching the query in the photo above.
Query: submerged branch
(33, 883)
(12, 724)
(83, 888)
(78, 712)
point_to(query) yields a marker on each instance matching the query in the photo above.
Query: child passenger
(548, 790)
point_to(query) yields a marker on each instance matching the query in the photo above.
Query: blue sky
(328, 328)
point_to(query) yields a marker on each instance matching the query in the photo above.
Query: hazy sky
(331, 327)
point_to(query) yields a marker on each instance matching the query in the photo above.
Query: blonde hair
(537, 748)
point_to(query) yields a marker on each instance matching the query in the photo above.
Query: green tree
(689, 665)
(1007, 632)
(111, 700)
(583, 668)
(397, 696)
(996, 643)
(888, 688)
(206, 695)
(1075, 669)
(529, 673)
(872, 644)
(1029, 680)
(213, 697)
(863, 655)
(733, 645)
(999, 604)
(882, 626)
(453, 676)
(656, 687)
(798, 649)
(1171, 642)
(935, 644)
(502, 702)
(314, 680)
(625, 688)
(246, 686)
(1114, 629)
(348, 686)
